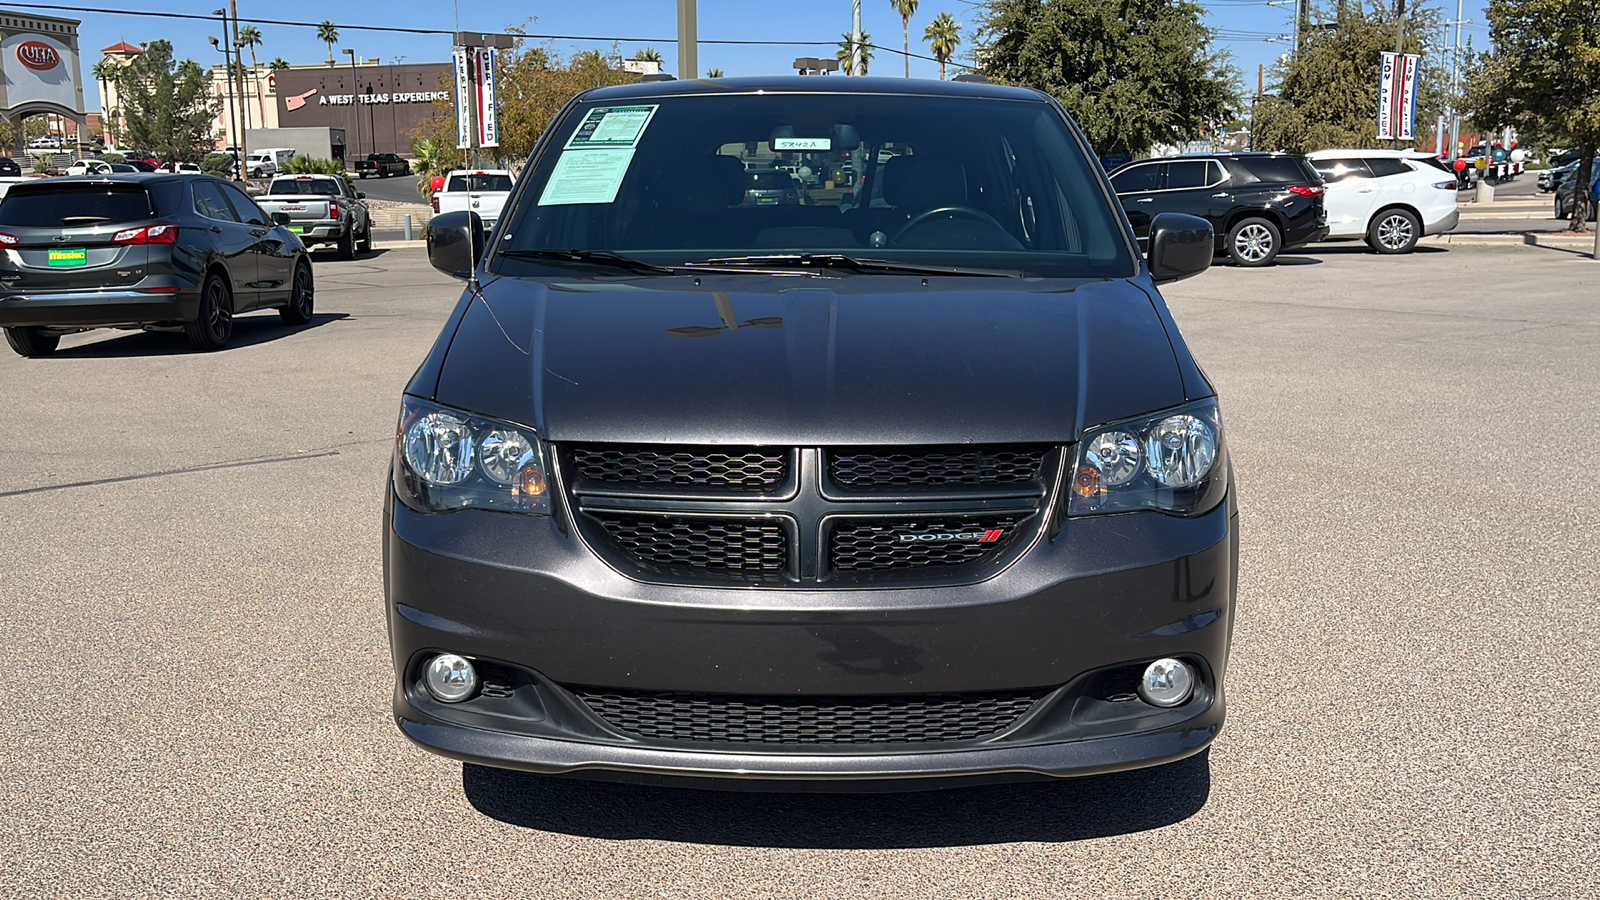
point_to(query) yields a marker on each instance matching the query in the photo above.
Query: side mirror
(281, 219)
(1181, 246)
(455, 243)
(360, 195)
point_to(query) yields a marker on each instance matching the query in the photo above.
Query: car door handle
(1366, 190)
(1221, 196)
(1146, 200)
(216, 230)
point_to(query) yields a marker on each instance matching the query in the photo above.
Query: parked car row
(1260, 204)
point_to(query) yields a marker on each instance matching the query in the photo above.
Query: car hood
(810, 361)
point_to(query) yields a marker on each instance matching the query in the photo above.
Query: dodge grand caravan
(914, 482)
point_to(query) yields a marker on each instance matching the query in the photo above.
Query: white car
(1389, 198)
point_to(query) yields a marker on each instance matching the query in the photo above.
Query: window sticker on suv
(597, 156)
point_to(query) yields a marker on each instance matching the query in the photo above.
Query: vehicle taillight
(333, 210)
(165, 233)
(10, 240)
(436, 204)
(1308, 190)
(1446, 185)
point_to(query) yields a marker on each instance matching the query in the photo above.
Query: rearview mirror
(455, 243)
(1181, 246)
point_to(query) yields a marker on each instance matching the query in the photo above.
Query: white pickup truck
(322, 209)
(483, 191)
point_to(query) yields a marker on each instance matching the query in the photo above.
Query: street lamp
(355, 97)
(233, 124)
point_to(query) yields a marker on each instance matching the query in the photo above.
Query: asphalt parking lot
(199, 687)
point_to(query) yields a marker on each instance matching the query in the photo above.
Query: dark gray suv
(913, 481)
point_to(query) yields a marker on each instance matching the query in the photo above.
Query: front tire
(32, 342)
(213, 323)
(1254, 242)
(1394, 231)
(302, 298)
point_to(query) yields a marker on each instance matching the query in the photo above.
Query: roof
(814, 84)
(122, 47)
(1380, 154)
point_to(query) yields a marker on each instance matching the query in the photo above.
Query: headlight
(446, 459)
(1174, 462)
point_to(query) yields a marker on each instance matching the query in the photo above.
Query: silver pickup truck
(322, 209)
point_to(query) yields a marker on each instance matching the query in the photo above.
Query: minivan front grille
(744, 470)
(892, 468)
(750, 719)
(801, 517)
(901, 543)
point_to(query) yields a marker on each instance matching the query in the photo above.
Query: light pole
(355, 97)
(233, 125)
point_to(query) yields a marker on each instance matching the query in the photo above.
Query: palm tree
(943, 36)
(105, 71)
(849, 54)
(714, 73)
(906, 9)
(250, 36)
(278, 64)
(328, 33)
(648, 54)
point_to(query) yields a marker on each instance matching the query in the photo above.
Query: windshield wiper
(852, 263)
(602, 258)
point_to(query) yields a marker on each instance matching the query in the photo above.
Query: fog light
(449, 678)
(1166, 682)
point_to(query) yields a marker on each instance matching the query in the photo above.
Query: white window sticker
(612, 126)
(587, 176)
(791, 143)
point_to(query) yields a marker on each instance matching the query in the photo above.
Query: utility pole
(1399, 52)
(688, 41)
(1455, 85)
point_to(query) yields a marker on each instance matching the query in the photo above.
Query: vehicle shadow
(1068, 810)
(248, 330)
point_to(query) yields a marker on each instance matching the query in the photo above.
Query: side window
(209, 202)
(1333, 170)
(247, 210)
(1135, 179)
(1215, 173)
(1382, 166)
(1188, 173)
(457, 183)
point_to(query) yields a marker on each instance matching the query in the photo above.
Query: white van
(267, 162)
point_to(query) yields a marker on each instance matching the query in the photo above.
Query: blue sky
(1244, 26)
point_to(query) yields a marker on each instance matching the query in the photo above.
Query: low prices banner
(463, 100)
(1397, 96)
(484, 73)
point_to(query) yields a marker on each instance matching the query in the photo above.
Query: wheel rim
(1253, 243)
(1395, 232)
(219, 317)
(302, 292)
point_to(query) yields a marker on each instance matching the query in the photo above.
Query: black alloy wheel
(302, 298)
(32, 342)
(213, 323)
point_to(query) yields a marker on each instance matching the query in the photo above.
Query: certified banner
(488, 121)
(1397, 96)
(463, 99)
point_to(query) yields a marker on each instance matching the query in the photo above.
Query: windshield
(323, 186)
(479, 182)
(956, 182)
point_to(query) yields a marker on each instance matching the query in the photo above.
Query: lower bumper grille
(733, 718)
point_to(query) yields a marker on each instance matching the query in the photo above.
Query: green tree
(1133, 74)
(328, 33)
(943, 35)
(305, 165)
(105, 72)
(250, 36)
(166, 108)
(1327, 96)
(848, 54)
(1543, 77)
(278, 64)
(906, 9)
(432, 156)
(714, 73)
(648, 54)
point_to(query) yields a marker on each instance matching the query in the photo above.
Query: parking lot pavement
(198, 692)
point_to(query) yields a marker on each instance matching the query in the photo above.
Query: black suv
(142, 251)
(1258, 203)
(924, 487)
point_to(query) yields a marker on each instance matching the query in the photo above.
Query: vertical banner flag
(1397, 96)
(463, 97)
(488, 122)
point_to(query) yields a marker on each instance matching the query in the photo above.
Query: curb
(1548, 241)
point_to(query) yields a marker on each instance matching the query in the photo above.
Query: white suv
(1390, 198)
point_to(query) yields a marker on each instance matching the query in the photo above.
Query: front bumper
(517, 593)
(95, 309)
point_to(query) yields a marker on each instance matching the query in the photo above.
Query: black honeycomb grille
(754, 550)
(752, 470)
(889, 468)
(858, 544)
(727, 718)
